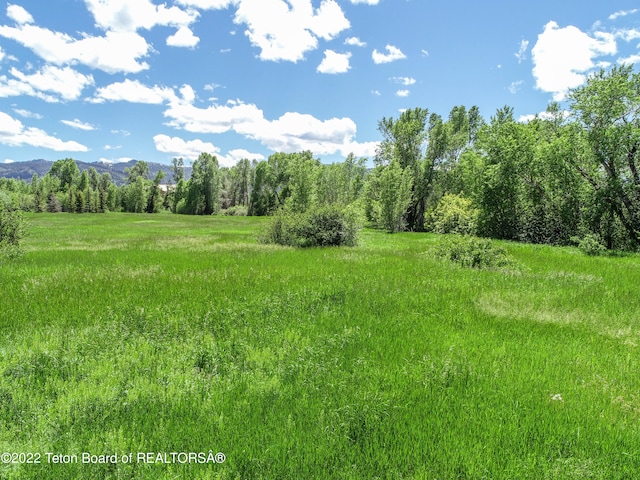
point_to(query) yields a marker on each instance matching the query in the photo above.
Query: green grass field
(139, 338)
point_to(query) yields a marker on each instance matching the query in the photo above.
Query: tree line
(568, 174)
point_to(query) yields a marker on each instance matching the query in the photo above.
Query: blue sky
(115, 80)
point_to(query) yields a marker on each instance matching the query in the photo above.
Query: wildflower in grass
(557, 398)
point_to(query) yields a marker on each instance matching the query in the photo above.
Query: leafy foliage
(472, 252)
(324, 227)
(453, 214)
(12, 230)
(590, 244)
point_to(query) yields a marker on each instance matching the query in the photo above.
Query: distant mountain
(25, 170)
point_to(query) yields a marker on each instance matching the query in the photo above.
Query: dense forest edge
(568, 176)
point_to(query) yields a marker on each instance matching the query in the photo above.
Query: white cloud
(8, 160)
(240, 154)
(355, 42)
(131, 15)
(563, 56)
(286, 31)
(622, 13)
(207, 4)
(630, 59)
(189, 149)
(403, 80)
(515, 86)
(133, 91)
(543, 116)
(14, 134)
(334, 62)
(393, 53)
(628, 35)
(425, 53)
(213, 119)
(115, 52)
(184, 37)
(366, 2)
(116, 160)
(376, 93)
(78, 124)
(18, 14)
(28, 114)
(403, 93)
(292, 132)
(63, 83)
(522, 51)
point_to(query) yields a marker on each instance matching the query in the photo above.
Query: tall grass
(133, 333)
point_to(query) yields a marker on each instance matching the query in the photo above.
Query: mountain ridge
(24, 170)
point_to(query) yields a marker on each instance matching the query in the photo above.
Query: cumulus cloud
(630, 59)
(118, 51)
(113, 53)
(133, 91)
(291, 132)
(366, 2)
(207, 4)
(184, 115)
(78, 124)
(334, 62)
(13, 133)
(543, 116)
(51, 84)
(238, 154)
(562, 57)
(191, 150)
(18, 14)
(403, 80)
(355, 42)
(131, 15)
(403, 93)
(393, 54)
(286, 31)
(184, 37)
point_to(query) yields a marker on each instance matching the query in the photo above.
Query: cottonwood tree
(404, 141)
(607, 111)
(204, 188)
(395, 196)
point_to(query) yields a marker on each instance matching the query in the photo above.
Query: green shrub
(323, 227)
(591, 244)
(12, 230)
(236, 211)
(472, 252)
(453, 214)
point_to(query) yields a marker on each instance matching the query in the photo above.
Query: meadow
(143, 343)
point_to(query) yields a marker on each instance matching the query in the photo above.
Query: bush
(453, 214)
(473, 252)
(324, 227)
(236, 211)
(12, 230)
(591, 244)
